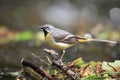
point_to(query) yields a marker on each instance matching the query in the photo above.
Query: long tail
(97, 40)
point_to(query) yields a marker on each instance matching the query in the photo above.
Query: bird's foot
(60, 61)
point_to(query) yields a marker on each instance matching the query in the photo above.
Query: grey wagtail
(60, 39)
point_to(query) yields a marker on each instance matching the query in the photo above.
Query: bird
(62, 40)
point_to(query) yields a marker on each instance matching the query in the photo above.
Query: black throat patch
(45, 32)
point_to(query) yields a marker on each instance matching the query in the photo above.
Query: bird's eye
(47, 27)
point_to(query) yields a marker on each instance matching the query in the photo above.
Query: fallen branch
(66, 70)
(39, 69)
(61, 66)
(52, 53)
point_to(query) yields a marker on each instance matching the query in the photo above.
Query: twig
(66, 70)
(51, 53)
(39, 69)
(112, 67)
(83, 71)
(39, 58)
(61, 66)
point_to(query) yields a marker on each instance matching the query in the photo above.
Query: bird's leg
(61, 56)
(63, 53)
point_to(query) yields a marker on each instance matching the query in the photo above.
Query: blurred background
(19, 37)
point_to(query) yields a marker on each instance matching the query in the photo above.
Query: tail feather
(99, 40)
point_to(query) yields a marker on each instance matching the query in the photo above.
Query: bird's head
(47, 28)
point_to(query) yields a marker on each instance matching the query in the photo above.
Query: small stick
(61, 66)
(39, 69)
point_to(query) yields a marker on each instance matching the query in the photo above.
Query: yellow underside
(57, 45)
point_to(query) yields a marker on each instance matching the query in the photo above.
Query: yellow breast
(58, 45)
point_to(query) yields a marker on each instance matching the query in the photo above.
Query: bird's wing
(69, 39)
(66, 37)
